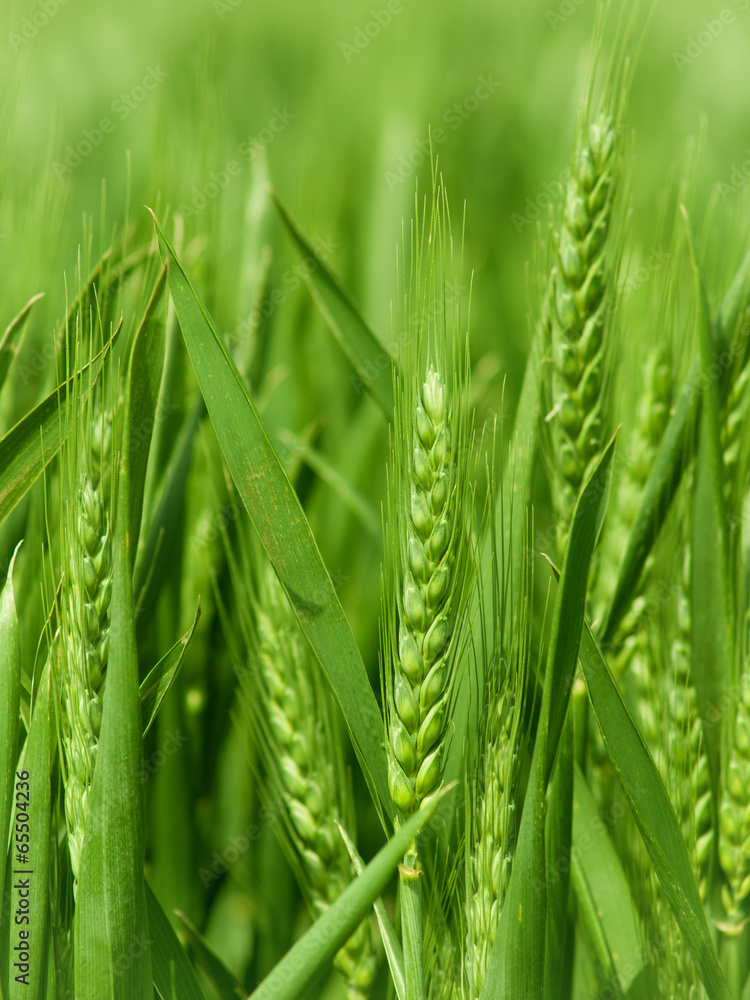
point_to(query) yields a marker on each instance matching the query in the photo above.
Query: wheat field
(374, 491)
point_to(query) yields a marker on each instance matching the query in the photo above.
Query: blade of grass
(675, 452)
(147, 366)
(159, 547)
(604, 897)
(281, 525)
(112, 953)
(174, 978)
(391, 943)
(222, 980)
(160, 678)
(653, 814)
(515, 494)
(12, 337)
(369, 359)
(314, 952)
(516, 967)
(558, 836)
(27, 448)
(29, 872)
(711, 614)
(10, 702)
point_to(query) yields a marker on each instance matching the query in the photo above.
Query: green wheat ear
(426, 566)
(88, 498)
(289, 709)
(576, 312)
(734, 817)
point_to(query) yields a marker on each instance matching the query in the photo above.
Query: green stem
(411, 923)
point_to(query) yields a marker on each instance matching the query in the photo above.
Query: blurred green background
(176, 106)
(351, 112)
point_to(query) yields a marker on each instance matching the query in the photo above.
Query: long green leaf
(516, 967)
(160, 678)
(8, 343)
(516, 492)
(174, 977)
(557, 846)
(653, 813)
(711, 615)
(224, 983)
(112, 956)
(675, 452)
(10, 703)
(314, 952)
(158, 549)
(393, 950)
(147, 366)
(605, 902)
(371, 362)
(281, 525)
(328, 473)
(29, 879)
(28, 447)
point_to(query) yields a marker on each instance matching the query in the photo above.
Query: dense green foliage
(374, 569)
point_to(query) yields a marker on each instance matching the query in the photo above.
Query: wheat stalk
(492, 824)
(682, 758)
(303, 756)
(734, 815)
(84, 632)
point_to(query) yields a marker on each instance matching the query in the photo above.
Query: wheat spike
(301, 750)
(84, 632)
(734, 816)
(576, 312)
(430, 538)
(493, 827)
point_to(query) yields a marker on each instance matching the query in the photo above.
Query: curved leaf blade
(516, 967)
(653, 813)
(281, 524)
(112, 942)
(603, 892)
(675, 452)
(37, 760)
(10, 704)
(160, 678)
(711, 614)
(372, 363)
(222, 980)
(174, 978)
(314, 952)
(12, 337)
(27, 448)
